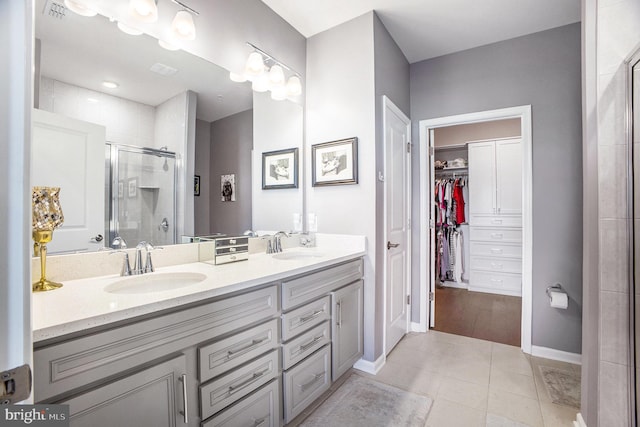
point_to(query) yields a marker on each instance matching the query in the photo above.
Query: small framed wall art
(228, 188)
(196, 185)
(335, 162)
(280, 169)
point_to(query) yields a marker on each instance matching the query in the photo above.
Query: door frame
(426, 126)
(388, 105)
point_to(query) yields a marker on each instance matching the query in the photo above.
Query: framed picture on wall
(132, 188)
(280, 169)
(335, 162)
(196, 185)
(120, 189)
(228, 188)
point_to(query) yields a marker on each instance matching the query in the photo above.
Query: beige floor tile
(473, 371)
(513, 382)
(557, 415)
(509, 358)
(450, 414)
(409, 378)
(494, 420)
(515, 407)
(465, 393)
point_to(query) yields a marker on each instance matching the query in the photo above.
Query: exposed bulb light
(144, 10)
(110, 85)
(168, 45)
(238, 78)
(79, 7)
(261, 83)
(255, 65)
(183, 26)
(276, 75)
(279, 93)
(128, 30)
(294, 86)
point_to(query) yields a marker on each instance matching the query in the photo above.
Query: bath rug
(563, 386)
(367, 403)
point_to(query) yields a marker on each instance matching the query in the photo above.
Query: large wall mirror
(154, 156)
(633, 130)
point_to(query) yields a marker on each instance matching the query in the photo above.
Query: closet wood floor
(489, 317)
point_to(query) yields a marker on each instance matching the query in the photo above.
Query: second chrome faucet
(138, 267)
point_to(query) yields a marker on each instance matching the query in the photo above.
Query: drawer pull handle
(339, 315)
(315, 379)
(496, 221)
(496, 235)
(311, 343)
(183, 380)
(311, 316)
(232, 241)
(496, 280)
(235, 388)
(496, 251)
(253, 343)
(497, 265)
(260, 421)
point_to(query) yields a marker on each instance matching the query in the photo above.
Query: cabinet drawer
(497, 265)
(221, 356)
(60, 368)
(301, 319)
(306, 382)
(497, 249)
(498, 283)
(225, 390)
(508, 235)
(306, 288)
(496, 221)
(262, 408)
(299, 348)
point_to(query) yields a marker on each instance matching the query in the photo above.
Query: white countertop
(83, 304)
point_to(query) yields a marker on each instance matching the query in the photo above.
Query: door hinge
(432, 224)
(408, 147)
(408, 299)
(432, 151)
(431, 296)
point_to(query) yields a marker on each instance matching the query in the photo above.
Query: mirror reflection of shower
(141, 203)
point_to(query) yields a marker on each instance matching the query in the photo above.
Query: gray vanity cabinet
(152, 397)
(347, 328)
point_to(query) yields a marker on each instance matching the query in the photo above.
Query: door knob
(392, 245)
(96, 239)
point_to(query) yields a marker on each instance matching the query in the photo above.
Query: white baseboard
(579, 422)
(370, 367)
(417, 327)
(550, 353)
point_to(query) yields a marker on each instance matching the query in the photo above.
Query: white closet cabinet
(495, 210)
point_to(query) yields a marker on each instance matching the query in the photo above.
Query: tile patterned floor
(475, 382)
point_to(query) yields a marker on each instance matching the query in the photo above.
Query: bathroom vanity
(255, 343)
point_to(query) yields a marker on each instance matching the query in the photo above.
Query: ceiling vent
(54, 9)
(163, 70)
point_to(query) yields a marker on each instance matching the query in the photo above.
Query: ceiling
(426, 29)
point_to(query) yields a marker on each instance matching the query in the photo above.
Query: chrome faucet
(121, 245)
(277, 241)
(147, 267)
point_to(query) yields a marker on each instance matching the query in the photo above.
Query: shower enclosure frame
(112, 202)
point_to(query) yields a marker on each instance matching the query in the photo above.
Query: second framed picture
(280, 169)
(335, 162)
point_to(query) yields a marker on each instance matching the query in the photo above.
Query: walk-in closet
(476, 229)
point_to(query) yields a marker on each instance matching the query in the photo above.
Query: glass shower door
(143, 195)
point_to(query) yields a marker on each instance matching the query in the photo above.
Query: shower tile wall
(618, 34)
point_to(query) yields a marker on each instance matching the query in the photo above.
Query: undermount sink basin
(154, 282)
(297, 255)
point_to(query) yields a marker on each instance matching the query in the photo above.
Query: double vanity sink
(224, 344)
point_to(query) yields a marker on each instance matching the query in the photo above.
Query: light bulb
(294, 86)
(128, 30)
(183, 26)
(276, 75)
(238, 78)
(167, 45)
(261, 83)
(279, 93)
(144, 10)
(255, 65)
(79, 7)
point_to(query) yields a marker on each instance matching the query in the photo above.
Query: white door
(431, 249)
(70, 154)
(509, 177)
(482, 190)
(396, 191)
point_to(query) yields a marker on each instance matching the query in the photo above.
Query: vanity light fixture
(79, 7)
(167, 45)
(267, 73)
(110, 85)
(183, 26)
(128, 30)
(144, 10)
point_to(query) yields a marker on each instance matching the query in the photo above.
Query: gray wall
(201, 204)
(542, 70)
(231, 145)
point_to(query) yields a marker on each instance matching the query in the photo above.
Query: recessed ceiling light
(110, 85)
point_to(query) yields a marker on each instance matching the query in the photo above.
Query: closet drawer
(497, 265)
(306, 382)
(496, 221)
(299, 320)
(221, 356)
(299, 348)
(223, 391)
(261, 408)
(497, 283)
(507, 235)
(496, 250)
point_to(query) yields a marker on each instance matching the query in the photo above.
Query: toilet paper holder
(557, 287)
(563, 300)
